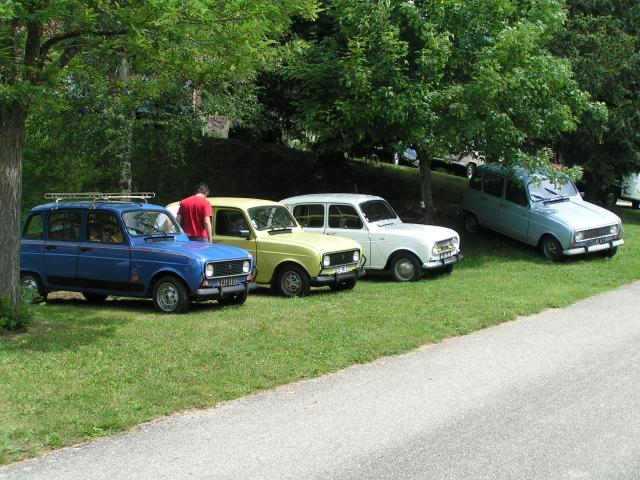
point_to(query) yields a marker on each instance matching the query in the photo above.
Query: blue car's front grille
(225, 269)
(596, 232)
(341, 258)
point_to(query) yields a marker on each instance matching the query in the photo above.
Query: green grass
(82, 371)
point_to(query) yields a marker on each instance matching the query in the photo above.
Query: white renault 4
(404, 249)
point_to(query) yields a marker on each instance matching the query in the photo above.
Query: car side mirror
(582, 194)
(246, 234)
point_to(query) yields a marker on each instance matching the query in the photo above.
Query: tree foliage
(602, 41)
(444, 75)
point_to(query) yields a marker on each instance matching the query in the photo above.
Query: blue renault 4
(110, 244)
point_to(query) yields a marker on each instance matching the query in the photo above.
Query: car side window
(309, 215)
(476, 182)
(230, 222)
(515, 193)
(64, 226)
(103, 227)
(34, 229)
(493, 185)
(344, 216)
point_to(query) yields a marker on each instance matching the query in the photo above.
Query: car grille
(341, 258)
(224, 269)
(596, 232)
(445, 245)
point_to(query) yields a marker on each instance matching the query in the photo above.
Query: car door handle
(50, 247)
(86, 249)
(330, 233)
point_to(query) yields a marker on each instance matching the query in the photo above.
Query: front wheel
(237, 299)
(610, 199)
(292, 281)
(551, 248)
(170, 295)
(32, 282)
(405, 267)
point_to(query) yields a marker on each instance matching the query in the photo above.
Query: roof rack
(99, 197)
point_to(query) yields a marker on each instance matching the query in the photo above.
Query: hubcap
(471, 224)
(30, 282)
(551, 248)
(405, 268)
(168, 297)
(291, 282)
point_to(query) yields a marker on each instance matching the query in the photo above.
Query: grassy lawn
(83, 371)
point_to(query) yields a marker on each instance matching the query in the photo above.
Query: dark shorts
(199, 239)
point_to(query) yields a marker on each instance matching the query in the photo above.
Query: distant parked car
(102, 247)
(529, 207)
(630, 189)
(404, 249)
(288, 258)
(463, 162)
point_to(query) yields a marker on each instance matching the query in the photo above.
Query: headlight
(246, 265)
(579, 236)
(434, 250)
(454, 241)
(208, 271)
(326, 261)
(356, 256)
(613, 229)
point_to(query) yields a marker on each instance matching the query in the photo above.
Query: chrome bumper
(434, 264)
(593, 248)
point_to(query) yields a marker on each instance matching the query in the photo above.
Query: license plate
(228, 282)
(449, 260)
(342, 269)
(598, 241)
(445, 255)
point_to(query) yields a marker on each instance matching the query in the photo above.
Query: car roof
(332, 197)
(240, 202)
(107, 206)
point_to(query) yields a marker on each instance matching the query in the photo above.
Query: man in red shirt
(195, 214)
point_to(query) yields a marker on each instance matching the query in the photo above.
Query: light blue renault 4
(529, 207)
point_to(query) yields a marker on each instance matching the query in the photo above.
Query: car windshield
(271, 217)
(547, 190)
(149, 222)
(377, 210)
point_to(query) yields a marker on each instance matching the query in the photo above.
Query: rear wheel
(609, 199)
(170, 295)
(405, 267)
(32, 282)
(292, 281)
(471, 223)
(94, 297)
(237, 299)
(551, 248)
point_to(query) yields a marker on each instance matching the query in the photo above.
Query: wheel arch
(164, 273)
(284, 263)
(401, 251)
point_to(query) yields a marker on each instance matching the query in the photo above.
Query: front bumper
(338, 278)
(435, 264)
(593, 248)
(220, 291)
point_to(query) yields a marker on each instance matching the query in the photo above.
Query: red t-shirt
(193, 209)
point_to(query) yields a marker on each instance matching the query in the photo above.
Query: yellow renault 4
(288, 258)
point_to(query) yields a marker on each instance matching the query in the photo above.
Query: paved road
(551, 396)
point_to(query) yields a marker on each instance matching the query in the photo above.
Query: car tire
(94, 297)
(470, 169)
(635, 205)
(611, 252)
(170, 295)
(405, 267)
(292, 281)
(32, 281)
(348, 285)
(471, 223)
(237, 299)
(609, 199)
(447, 269)
(551, 248)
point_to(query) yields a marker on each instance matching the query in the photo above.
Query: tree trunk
(425, 185)
(12, 131)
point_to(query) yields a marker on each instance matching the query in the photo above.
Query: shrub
(19, 317)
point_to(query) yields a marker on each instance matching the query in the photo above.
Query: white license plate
(597, 241)
(341, 269)
(228, 282)
(446, 255)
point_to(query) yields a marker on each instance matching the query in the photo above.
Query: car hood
(432, 233)
(318, 242)
(579, 215)
(199, 250)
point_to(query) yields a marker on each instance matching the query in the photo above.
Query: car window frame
(119, 222)
(83, 216)
(363, 223)
(27, 223)
(524, 191)
(502, 190)
(323, 205)
(244, 214)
